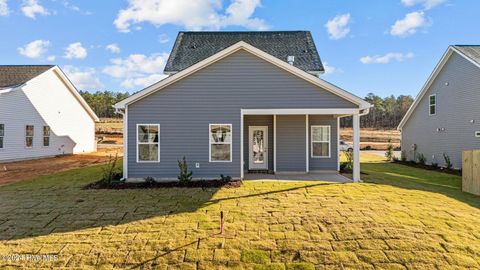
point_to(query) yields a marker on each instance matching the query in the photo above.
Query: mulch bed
(172, 184)
(431, 168)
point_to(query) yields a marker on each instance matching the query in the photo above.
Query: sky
(381, 46)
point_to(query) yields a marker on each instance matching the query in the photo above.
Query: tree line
(386, 113)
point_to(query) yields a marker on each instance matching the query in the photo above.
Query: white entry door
(258, 147)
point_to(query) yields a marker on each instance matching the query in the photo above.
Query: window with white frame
(46, 136)
(320, 142)
(29, 136)
(2, 135)
(148, 143)
(432, 109)
(220, 142)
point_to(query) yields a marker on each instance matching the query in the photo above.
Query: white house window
(46, 136)
(148, 143)
(320, 143)
(29, 136)
(2, 134)
(220, 142)
(432, 110)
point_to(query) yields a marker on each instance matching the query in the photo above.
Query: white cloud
(410, 24)
(34, 49)
(192, 15)
(385, 59)
(83, 79)
(75, 51)
(163, 38)
(427, 4)
(337, 27)
(4, 11)
(113, 48)
(138, 69)
(51, 58)
(31, 8)
(329, 69)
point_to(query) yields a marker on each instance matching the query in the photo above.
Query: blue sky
(381, 46)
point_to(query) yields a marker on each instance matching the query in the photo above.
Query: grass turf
(400, 218)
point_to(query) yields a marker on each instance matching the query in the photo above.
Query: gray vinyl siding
(258, 120)
(291, 137)
(216, 94)
(457, 104)
(330, 164)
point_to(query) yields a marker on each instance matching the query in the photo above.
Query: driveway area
(401, 218)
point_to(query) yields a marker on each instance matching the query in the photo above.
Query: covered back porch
(295, 143)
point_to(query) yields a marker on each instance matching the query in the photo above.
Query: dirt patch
(24, 170)
(373, 139)
(173, 184)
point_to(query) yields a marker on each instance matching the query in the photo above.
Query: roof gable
(193, 47)
(258, 53)
(470, 51)
(446, 56)
(13, 75)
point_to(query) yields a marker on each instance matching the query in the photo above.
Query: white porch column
(356, 147)
(241, 146)
(307, 165)
(274, 143)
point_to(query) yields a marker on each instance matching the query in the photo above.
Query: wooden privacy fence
(471, 171)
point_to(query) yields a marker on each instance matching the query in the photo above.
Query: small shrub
(448, 162)
(349, 156)
(434, 165)
(110, 172)
(224, 178)
(403, 156)
(149, 180)
(389, 152)
(421, 159)
(368, 147)
(185, 176)
(343, 166)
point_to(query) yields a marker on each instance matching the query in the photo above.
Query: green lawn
(400, 218)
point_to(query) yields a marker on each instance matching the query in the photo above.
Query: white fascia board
(426, 86)
(259, 53)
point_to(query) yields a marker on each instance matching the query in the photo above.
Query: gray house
(237, 102)
(445, 116)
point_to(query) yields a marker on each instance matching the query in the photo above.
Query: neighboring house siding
(324, 163)
(45, 101)
(291, 148)
(216, 94)
(258, 120)
(457, 104)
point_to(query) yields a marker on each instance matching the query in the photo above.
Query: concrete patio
(313, 176)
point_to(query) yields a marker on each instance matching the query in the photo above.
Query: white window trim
(49, 137)
(329, 141)
(434, 104)
(33, 136)
(210, 144)
(3, 137)
(138, 143)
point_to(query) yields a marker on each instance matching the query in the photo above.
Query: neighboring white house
(42, 114)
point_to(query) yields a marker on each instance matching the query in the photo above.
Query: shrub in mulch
(171, 184)
(430, 167)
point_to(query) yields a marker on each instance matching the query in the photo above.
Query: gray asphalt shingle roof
(12, 75)
(471, 51)
(193, 47)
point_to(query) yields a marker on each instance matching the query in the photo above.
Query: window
(320, 141)
(2, 134)
(148, 143)
(46, 136)
(432, 105)
(29, 136)
(220, 142)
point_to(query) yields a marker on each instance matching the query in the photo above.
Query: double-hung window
(320, 142)
(46, 136)
(220, 140)
(432, 109)
(29, 136)
(2, 135)
(148, 143)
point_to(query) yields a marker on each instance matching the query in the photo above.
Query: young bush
(185, 176)
(421, 159)
(110, 171)
(349, 163)
(149, 180)
(224, 178)
(448, 162)
(389, 152)
(403, 156)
